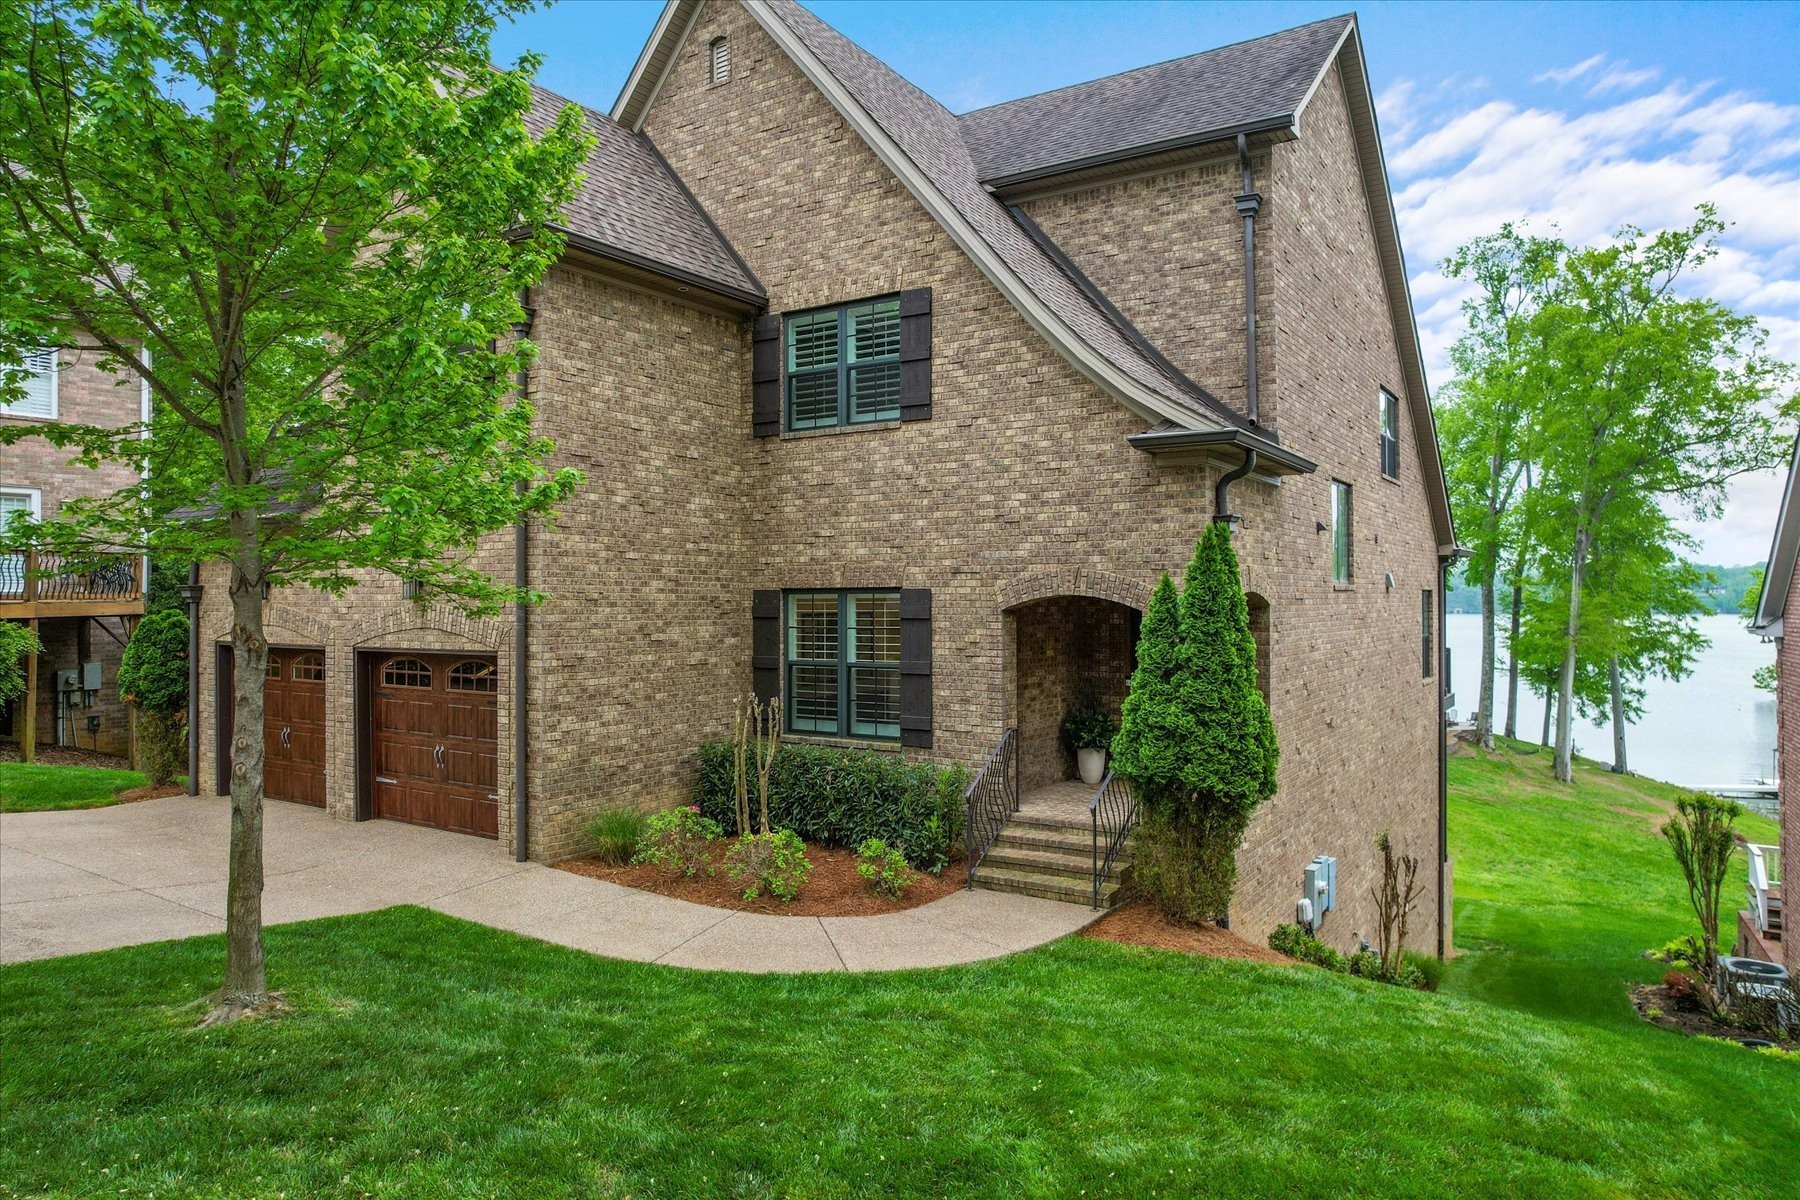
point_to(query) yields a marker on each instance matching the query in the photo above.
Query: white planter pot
(1093, 765)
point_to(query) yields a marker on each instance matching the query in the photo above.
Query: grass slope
(37, 787)
(1559, 888)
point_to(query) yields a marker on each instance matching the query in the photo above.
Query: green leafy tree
(1764, 677)
(1488, 418)
(17, 641)
(1701, 836)
(307, 229)
(1196, 740)
(1652, 396)
(153, 676)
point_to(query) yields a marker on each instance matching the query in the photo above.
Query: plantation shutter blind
(915, 667)
(765, 377)
(915, 358)
(40, 386)
(765, 644)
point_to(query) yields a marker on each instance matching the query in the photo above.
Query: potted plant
(1088, 730)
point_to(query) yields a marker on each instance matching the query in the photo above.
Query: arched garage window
(307, 668)
(405, 672)
(473, 676)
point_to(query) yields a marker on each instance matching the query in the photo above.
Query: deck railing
(38, 575)
(992, 799)
(1764, 887)
(1113, 814)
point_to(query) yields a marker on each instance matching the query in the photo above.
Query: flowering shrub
(776, 861)
(679, 840)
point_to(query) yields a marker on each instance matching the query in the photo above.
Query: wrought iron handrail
(992, 799)
(43, 575)
(1113, 814)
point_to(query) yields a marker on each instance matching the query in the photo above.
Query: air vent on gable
(720, 69)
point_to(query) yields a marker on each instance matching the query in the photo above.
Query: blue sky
(1585, 115)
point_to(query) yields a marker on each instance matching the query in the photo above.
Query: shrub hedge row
(845, 797)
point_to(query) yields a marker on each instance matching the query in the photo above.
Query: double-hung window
(843, 365)
(1341, 529)
(843, 664)
(39, 399)
(1425, 638)
(15, 503)
(1390, 434)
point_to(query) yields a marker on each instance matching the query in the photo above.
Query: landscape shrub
(16, 641)
(679, 840)
(1684, 951)
(1679, 985)
(844, 797)
(616, 833)
(153, 677)
(1089, 726)
(1364, 964)
(776, 861)
(884, 868)
(162, 745)
(1429, 968)
(1701, 837)
(1295, 942)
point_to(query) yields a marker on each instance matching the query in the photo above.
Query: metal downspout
(190, 592)
(1443, 749)
(1249, 203)
(521, 673)
(1222, 513)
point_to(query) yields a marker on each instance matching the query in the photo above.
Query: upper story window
(1341, 529)
(1425, 638)
(1390, 434)
(718, 68)
(843, 365)
(843, 663)
(40, 387)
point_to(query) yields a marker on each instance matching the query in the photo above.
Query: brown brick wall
(1021, 486)
(1787, 715)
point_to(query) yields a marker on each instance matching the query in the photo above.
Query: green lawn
(428, 1057)
(35, 787)
(1559, 888)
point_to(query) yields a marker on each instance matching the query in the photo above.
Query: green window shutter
(765, 376)
(915, 356)
(915, 667)
(765, 644)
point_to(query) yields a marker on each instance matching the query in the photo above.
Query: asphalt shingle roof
(928, 134)
(630, 200)
(1220, 90)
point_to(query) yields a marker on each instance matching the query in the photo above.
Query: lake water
(1712, 729)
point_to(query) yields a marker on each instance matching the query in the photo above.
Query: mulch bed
(150, 791)
(834, 889)
(1140, 924)
(1686, 1014)
(67, 756)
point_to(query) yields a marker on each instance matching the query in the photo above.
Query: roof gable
(1251, 86)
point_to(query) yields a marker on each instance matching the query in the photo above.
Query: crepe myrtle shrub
(844, 797)
(153, 677)
(1195, 740)
(308, 232)
(679, 840)
(1702, 839)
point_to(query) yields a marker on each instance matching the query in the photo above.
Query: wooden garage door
(433, 741)
(294, 727)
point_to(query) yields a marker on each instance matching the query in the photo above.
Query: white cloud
(1587, 164)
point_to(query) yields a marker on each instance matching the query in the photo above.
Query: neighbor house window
(15, 504)
(1340, 532)
(1390, 434)
(1425, 638)
(843, 365)
(40, 387)
(719, 64)
(843, 663)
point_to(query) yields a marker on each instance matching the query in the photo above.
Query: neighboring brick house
(1760, 926)
(85, 618)
(900, 415)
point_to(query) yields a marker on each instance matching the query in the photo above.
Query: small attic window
(719, 60)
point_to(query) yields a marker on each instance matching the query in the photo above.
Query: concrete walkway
(71, 882)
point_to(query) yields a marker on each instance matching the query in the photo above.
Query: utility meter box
(90, 677)
(1319, 885)
(66, 682)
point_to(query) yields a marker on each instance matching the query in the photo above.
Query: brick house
(82, 618)
(900, 415)
(1760, 926)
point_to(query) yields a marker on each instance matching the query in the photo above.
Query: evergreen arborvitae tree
(1154, 730)
(1196, 741)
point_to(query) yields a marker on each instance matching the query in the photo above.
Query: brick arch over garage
(283, 626)
(1075, 581)
(438, 620)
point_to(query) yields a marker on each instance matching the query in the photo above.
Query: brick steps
(1048, 857)
(1044, 887)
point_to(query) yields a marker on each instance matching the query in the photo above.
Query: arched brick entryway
(1066, 649)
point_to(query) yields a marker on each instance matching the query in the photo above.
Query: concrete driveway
(72, 882)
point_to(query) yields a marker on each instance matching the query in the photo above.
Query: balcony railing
(39, 577)
(1764, 887)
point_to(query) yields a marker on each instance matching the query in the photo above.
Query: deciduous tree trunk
(1618, 716)
(1484, 719)
(1565, 696)
(246, 984)
(1512, 666)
